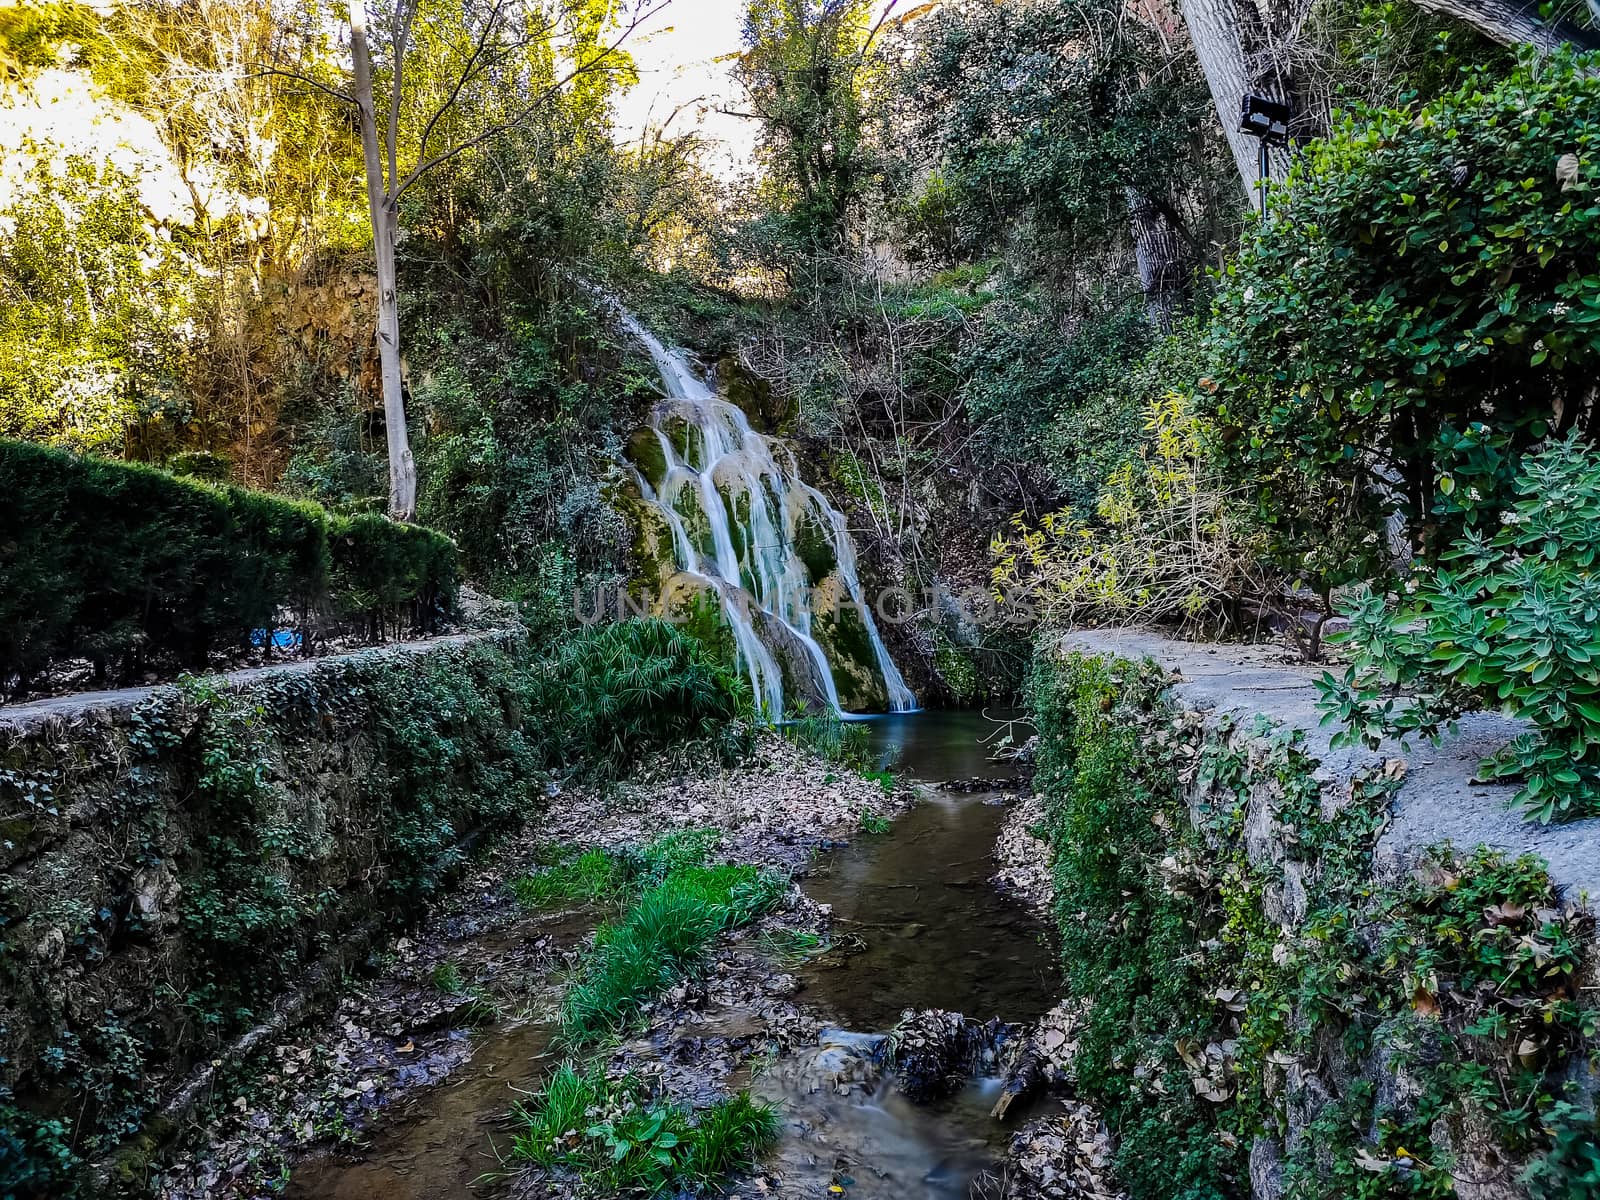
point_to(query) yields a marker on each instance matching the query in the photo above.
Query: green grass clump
(446, 977)
(614, 693)
(654, 861)
(592, 875)
(661, 938)
(619, 1144)
(790, 946)
(837, 741)
(874, 823)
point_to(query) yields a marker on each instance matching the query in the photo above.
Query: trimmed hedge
(128, 567)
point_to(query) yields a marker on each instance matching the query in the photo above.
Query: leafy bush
(390, 573)
(616, 691)
(1465, 977)
(619, 1144)
(1167, 544)
(1423, 270)
(1511, 620)
(142, 568)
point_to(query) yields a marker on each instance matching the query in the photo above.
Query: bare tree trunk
(1515, 22)
(402, 467)
(1218, 34)
(1159, 250)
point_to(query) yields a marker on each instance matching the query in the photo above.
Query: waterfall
(740, 519)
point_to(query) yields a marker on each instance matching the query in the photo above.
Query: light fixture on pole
(1267, 121)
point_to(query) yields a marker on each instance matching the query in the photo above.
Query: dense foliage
(1427, 270)
(131, 567)
(1509, 620)
(614, 690)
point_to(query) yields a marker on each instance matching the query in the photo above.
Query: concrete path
(121, 700)
(1439, 800)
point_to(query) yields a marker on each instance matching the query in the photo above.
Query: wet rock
(935, 1052)
(1063, 1157)
(985, 783)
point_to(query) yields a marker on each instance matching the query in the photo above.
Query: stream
(917, 924)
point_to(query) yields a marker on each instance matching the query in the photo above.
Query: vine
(1247, 977)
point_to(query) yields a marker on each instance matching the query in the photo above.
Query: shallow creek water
(917, 925)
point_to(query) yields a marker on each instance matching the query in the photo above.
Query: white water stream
(750, 561)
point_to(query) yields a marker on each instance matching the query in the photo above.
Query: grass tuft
(592, 875)
(619, 1144)
(663, 937)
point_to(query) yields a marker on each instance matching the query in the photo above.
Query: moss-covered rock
(838, 626)
(645, 452)
(813, 542)
(755, 396)
(654, 550)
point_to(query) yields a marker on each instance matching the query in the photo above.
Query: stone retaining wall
(172, 858)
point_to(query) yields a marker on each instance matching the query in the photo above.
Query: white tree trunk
(1218, 36)
(402, 467)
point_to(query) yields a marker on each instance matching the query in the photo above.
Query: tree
(456, 76)
(803, 71)
(1075, 118)
(1279, 49)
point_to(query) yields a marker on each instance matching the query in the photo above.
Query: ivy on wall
(1254, 999)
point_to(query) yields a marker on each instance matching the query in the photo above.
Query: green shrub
(1425, 269)
(388, 572)
(615, 692)
(1570, 1169)
(1511, 620)
(144, 569)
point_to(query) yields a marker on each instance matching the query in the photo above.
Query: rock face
(1441, 799)
(115, 825)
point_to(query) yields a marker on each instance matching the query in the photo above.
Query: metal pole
(1261, 176)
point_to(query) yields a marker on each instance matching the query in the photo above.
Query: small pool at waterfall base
(917, 924)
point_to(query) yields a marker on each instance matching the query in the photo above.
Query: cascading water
(741, 520)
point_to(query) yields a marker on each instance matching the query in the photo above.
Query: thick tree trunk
(1515, 22)
(402, 468)
(1159, 250)
(1218, 35)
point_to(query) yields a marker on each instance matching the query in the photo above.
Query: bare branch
(465, 76)
(402, 43)
(596, 62)
(305, 79)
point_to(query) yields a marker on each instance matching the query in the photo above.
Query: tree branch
(402, 43)
(1511, 22)
(305, 79)
(596, 61)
